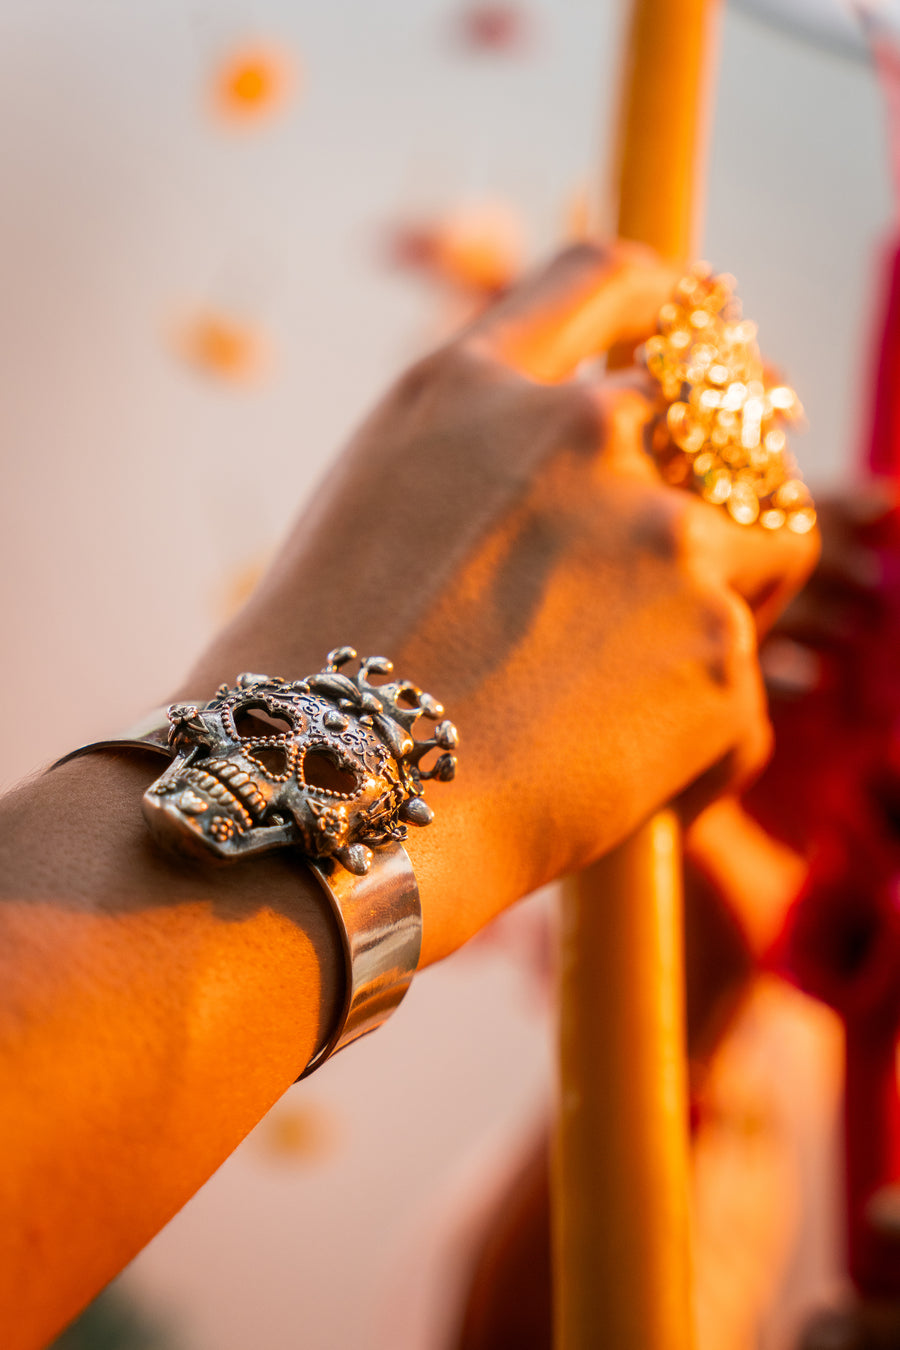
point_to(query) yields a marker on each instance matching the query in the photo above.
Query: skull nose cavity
(320, 772)
(274, 759)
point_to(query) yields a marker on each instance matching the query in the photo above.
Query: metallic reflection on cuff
(380, 920)
(378, 915)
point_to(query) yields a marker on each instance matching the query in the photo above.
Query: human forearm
(151, 1013)
(500, 532)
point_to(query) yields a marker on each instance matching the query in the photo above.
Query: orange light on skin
(226, 348)
(252, 83)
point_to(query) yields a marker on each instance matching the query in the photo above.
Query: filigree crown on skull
(328, 763)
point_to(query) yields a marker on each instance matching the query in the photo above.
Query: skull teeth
(237, 785)
(191, 802)
(220, 793)
(240, 783)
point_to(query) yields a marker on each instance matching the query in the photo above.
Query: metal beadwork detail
(328, 764)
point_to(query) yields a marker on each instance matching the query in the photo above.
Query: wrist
(481, 852)
(151, 1014)
(237, 925)
(448, 918)
(326, 767)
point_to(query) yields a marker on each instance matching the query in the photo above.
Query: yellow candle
(620, 1199)
(661, 134)
(622, 1272)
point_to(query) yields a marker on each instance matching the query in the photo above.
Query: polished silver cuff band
(329, 766)
(380, 920)
(378, 915)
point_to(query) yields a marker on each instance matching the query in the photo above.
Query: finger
(588, 298)
(766, 567)
(628, 405)
(751, 746)
(756, 875)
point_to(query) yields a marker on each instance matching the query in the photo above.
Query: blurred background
(224, 228)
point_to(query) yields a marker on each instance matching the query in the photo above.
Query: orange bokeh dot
(305, 1134)
(481, 255)
(239, 586)
(477, 250)
(219, 345)
(578, 224)
(253, 82)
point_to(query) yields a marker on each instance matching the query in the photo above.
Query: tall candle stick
(662, 124)
(622, 1274)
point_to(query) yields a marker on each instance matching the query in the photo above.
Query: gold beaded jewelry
(722, 434)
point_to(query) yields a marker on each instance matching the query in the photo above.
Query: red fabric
(835, 789)
(884, 443)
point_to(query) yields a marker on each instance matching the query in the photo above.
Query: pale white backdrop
(135, 489)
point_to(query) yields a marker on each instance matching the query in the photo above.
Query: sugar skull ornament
(328, 764)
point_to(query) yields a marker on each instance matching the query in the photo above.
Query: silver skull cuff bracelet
(327, 765)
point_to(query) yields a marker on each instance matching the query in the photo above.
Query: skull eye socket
(254, 720)
(273, 758)
(319, 770)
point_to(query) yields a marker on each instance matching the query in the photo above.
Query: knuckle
(419, 379)
(754, 750)
(586, 255)
(731, 635)
(450, 370)
(669, 532)
(740, 627)
(583, 417)
(696, 537)
(619, 404)
(806, 550)
(692, 527)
